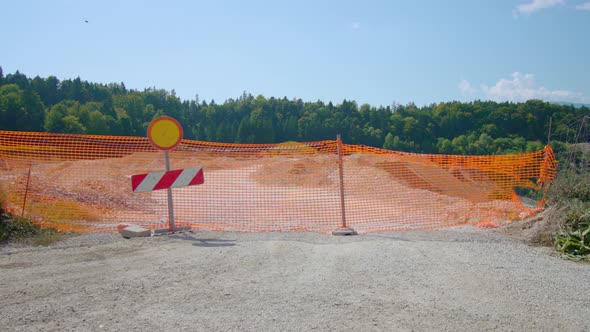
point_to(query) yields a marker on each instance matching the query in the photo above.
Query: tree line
(479, 127)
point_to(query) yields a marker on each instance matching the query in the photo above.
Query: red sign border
(162, 118)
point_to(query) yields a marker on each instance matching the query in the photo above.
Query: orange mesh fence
(83, 183)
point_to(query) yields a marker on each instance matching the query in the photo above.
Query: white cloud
(523, 87)
(536, 5)
(466, 88)
(583, 6)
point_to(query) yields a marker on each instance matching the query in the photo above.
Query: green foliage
(573, 242)
(572, 191)
(54, 120)
(570, 187)
(14, 228)
(20, 109)
(480, 127)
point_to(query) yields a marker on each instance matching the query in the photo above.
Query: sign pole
(170, 206)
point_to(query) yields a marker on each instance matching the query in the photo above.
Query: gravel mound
(539, 229)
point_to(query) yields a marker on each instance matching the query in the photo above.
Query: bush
(14, 228)
(571, 191)
(570, 186)
(573, 242)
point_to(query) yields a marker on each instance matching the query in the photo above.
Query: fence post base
(345, 231)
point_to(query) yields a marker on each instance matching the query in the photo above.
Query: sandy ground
(457, 279)
(263, 193)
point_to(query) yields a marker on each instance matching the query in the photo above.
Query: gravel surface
(458, 279)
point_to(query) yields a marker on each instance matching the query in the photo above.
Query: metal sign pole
(170, 206)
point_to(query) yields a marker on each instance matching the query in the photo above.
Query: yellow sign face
(165, 133)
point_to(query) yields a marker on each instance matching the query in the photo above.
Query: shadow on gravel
(369, 235)
(214, 243)
(205, 242)
(441, 236)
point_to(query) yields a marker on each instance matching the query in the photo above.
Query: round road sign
(165, 133)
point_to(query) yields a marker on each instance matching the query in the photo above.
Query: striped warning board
(164, 180)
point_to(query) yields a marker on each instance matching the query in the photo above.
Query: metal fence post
(344, 229)
(22, 214)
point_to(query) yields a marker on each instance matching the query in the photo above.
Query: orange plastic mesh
(83, 183)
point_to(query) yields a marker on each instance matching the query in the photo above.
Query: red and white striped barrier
(164, 180)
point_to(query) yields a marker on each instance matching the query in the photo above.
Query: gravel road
(458, 279)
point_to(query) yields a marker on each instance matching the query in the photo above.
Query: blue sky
(375, 52)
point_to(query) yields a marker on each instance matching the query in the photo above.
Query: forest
(477, 128)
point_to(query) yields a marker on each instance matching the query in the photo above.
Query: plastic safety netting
(83, 183)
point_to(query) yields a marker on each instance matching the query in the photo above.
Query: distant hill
(567, 103)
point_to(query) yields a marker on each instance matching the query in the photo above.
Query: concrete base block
(135, 231)
(344, 231)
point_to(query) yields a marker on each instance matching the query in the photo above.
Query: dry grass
(64, 210)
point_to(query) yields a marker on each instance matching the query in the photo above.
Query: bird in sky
(86, 21)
